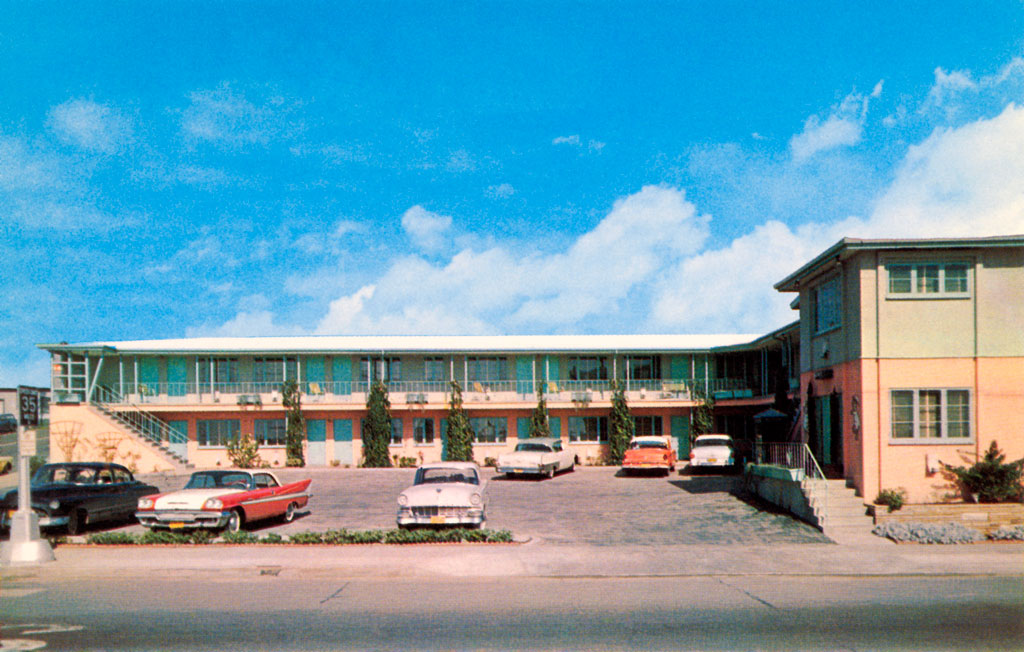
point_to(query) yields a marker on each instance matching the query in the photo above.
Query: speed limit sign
(28, 404)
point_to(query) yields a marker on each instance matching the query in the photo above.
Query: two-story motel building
(906, 353)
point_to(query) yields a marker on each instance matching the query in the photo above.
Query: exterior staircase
(142, 426)
(842, 514)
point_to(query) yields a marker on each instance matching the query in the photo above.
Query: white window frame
(500, 430)
(916, 291)
(944, 421)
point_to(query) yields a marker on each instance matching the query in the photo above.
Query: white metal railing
(133, 416)
(797, 455)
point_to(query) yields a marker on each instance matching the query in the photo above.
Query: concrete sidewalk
(528, 560)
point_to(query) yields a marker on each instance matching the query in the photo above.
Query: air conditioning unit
(416, 398)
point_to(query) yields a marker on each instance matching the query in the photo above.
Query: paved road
(282, 612)
(592, 505)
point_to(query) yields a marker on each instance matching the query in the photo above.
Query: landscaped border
(329, 537)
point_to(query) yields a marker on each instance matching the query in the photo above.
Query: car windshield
(60, 473)
(715, 441)
(539, 448)
(213, 480)
(444, 475)
(647, 444)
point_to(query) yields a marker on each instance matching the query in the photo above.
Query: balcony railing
(431, 391)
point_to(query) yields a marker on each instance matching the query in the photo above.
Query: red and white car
(649, 453)
(224, 499)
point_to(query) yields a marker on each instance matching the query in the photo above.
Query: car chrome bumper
(183, 519)
(44, 520)
(473, 516)
(524, 470)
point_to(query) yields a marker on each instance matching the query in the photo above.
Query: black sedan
(76, 494)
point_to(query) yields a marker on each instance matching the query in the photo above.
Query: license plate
(437, 519)
(175, 526)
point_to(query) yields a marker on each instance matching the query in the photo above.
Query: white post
(25, 545)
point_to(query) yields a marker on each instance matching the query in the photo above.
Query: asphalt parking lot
(590, 506)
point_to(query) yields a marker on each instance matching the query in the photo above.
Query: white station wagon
(537, 456)
(712, 450)
(444, 493)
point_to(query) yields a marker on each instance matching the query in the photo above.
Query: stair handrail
(113, 404)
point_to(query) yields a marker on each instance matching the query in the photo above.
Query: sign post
(25, 546)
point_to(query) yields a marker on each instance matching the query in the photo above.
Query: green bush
(892, 498)
(112, 539)
(992, 479)
(239, 537)
(164, 537)
(34, 463)
(306, 538)
(273, 537)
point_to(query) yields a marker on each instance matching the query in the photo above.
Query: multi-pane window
(385, 369)
(588, 368)
(647, 425)
(928, 279)
(588, 429)
(274, 370)
(489, 430)
(270, 432)
(396, 432)
(220, 370)
(423, 430)
(645, 367)
(68, 377)
(434, 369)
(827, 304)
(486, 369)
(931, 414)
(216, 432)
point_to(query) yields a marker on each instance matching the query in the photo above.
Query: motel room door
(826, 440)
(316, 435)
(343, 441)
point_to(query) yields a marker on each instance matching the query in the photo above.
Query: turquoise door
(551, 369)
(523, 427)
(316, 435)
(149, 377)
(343, 441)
(444, 439)
(681, 436)
(556, 425)
(178, 443)
(524, 375)
(341, 373)
(177, 380)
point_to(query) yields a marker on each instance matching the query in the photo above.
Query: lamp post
(25, 546)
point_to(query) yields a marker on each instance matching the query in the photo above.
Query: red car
(224, 499)
(649, 453)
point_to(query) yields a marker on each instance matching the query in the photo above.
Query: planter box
(985, 517)
(776, 472)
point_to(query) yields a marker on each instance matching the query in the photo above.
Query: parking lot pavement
(590, 506)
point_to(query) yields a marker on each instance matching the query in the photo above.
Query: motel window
(217, 432)
(433, 369)
(423, 430)
(384, 369)
(827, 305)
(221, 370)
(274, 370)
(645, 367)
(587, 368)
(486, 369)
(927, 414)
(396, 432)
(489, 430)
(270, 432)
(928, 280)
(588, 429)
(647, 426)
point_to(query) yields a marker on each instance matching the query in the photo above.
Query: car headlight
(54, 504)
(145, 503)
(213, 503)
(475, 499)
(403, 500)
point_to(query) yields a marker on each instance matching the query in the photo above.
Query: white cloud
(344, 311)
(427, 230)
(573, 140)
(500, 191)
(90, 126)
(344, 227)
(595, 146)
(245, 324)
(227, 118)
(843, 127)
(460, 161)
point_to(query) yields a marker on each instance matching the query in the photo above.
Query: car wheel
(551, 472)
(234, 521)
(289, 514)
(76, 522)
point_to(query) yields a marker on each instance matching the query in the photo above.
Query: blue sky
(262, 168)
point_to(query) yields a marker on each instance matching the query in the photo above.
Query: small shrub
(992, 479)
(164, 537)
(34, 463)
(335, 463)
(295, 461)
(273, 538)
(239, 537)
(490, 461)
(306, 538)
(202, 537)
(244, 451)
(499, 536)
(892, 498)
(406, 462)
(950, 533)
(58, 540)
(1008, 533)
(112, 539)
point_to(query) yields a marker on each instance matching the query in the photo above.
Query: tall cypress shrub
(460, 434)
(539, 426)
(620, 425)
(295, 424)
(377, 428)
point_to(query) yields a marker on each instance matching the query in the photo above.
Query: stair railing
(141, 422)
(797, 455)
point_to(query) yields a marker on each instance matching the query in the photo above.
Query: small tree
(295, 424)
(992, 480)
(620, 425)
(377, 428)
(703, 414)
(244, 451)
(539, 426)
(460, 434)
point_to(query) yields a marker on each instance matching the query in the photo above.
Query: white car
(712, 450)
(444, 493)
(537, 456)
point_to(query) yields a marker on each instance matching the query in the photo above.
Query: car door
(262, 505)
